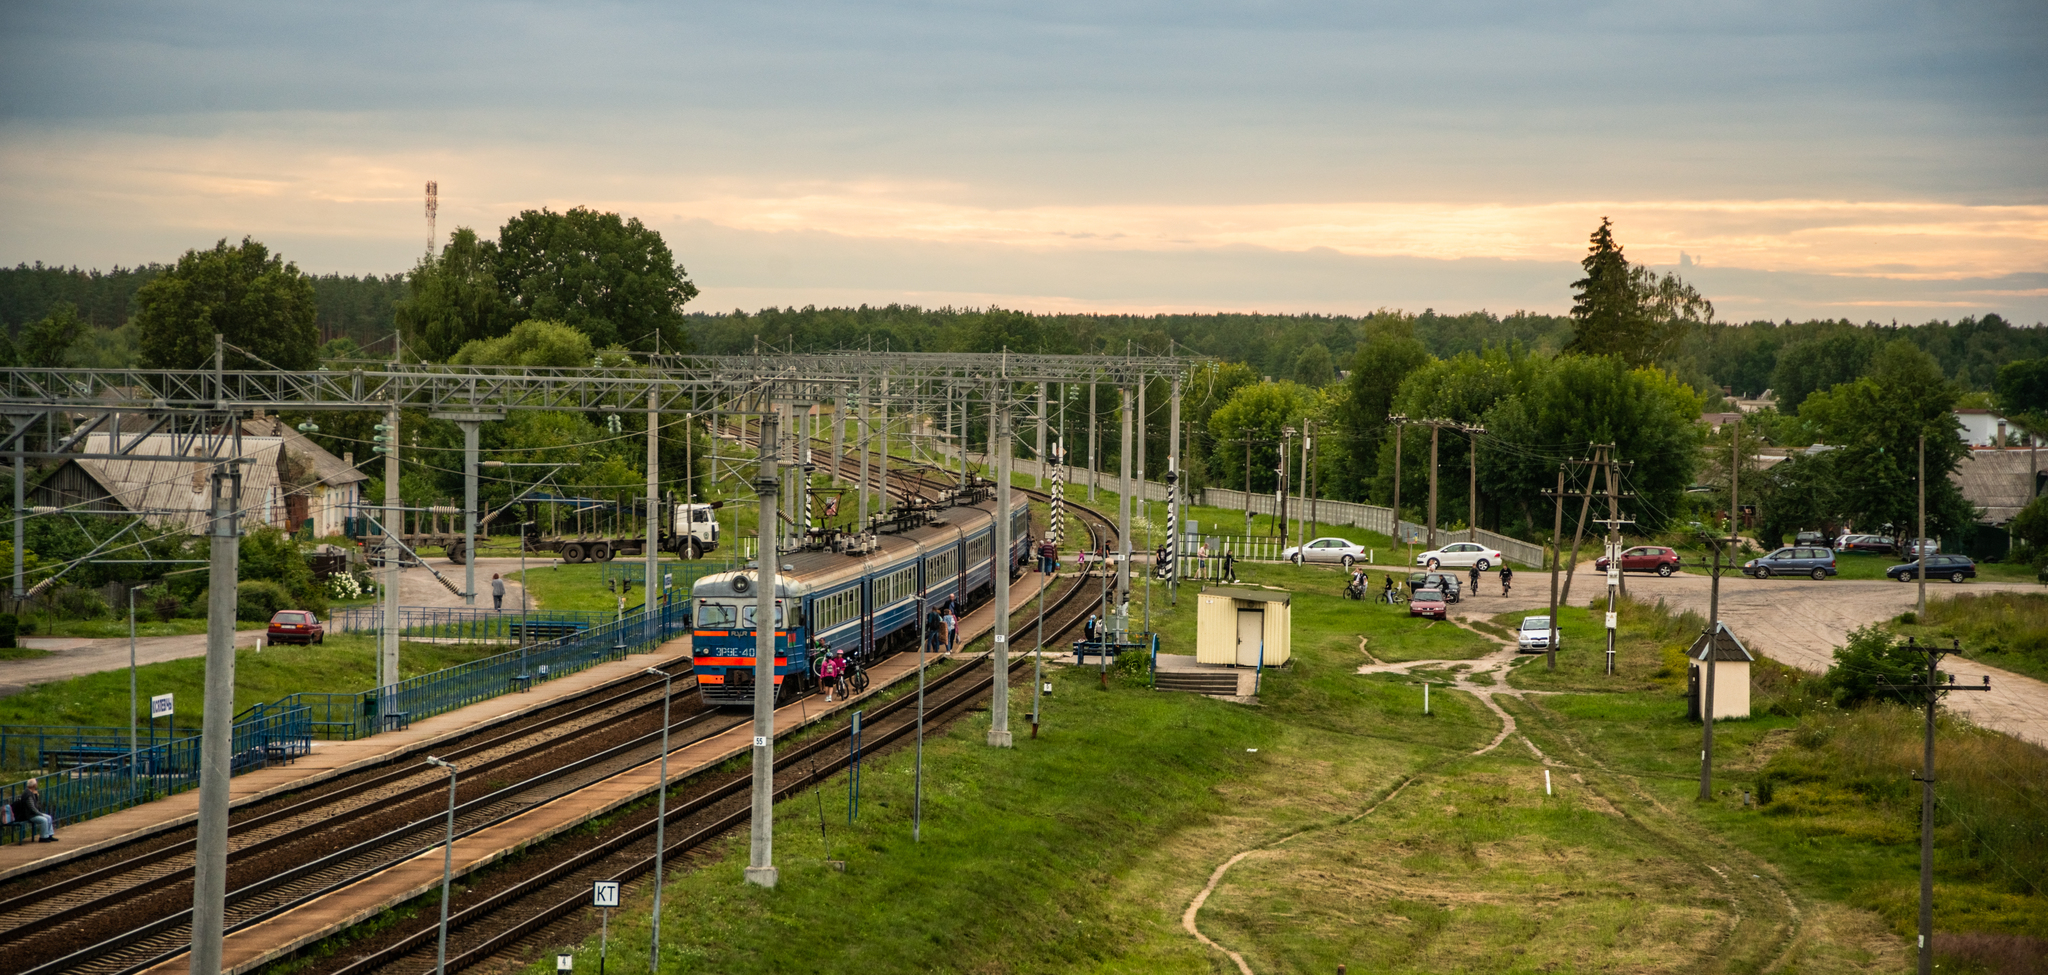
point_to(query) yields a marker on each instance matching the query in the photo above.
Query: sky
(1863, 159)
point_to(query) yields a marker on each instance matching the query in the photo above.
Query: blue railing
(285, 729)
(468, 622)
(271, 734)
(38, 746)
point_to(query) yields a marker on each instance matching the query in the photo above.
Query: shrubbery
(257, 600)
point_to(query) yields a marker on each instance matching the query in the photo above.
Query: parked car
(1460, 555)
(296, 626)
(1810, 538)
(1793, 560)
(1954, 568)
(1645, 558)
(1534, 635)
(1428, 602)
(1340, 550)
(1440, 581)
(1866, 543)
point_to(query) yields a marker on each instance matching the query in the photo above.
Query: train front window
(712, 615)
(748, 613)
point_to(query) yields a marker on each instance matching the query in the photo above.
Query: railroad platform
(277, 937)
(329, 759)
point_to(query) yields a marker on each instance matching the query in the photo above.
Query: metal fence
(262, 735)
(364, 713)
(468, 622)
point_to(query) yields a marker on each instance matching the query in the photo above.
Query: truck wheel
(693, 549)
(572, 552)
(600, 552)
(455, 552)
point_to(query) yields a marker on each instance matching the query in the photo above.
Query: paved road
(72, 656)
(1799, 622)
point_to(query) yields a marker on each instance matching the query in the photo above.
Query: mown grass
(347, 662)
(111, 628)
(1325, 619)
(2004, 629)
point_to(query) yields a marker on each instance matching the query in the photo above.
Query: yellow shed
(1234, 626)
(1731, 674)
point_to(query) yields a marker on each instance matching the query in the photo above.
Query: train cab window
(712, 615)
(747, 613)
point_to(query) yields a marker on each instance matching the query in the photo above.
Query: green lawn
(107, 629)
(2006, 629)
(345, 663)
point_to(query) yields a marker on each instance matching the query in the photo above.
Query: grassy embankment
(345, 663)
(2004, 629)
(1079, 851)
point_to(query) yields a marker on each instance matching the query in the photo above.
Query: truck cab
(693, 529)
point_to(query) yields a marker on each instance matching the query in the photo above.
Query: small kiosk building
(1243, 627)
(1731, 673)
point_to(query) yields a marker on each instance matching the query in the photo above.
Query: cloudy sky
(1871, 159)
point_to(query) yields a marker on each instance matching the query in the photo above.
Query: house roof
(327, 468)
(1999, 481)
(1249, 595)
(1727, 648)
(177, 489)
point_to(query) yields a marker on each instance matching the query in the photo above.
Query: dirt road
(72, 656)
(1799, 622)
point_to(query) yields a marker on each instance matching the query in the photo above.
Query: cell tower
(433, 205)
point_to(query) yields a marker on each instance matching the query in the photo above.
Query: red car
(296, 626)
(1427, 602)
(1645, 558)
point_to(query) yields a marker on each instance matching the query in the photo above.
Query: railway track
(518, 914)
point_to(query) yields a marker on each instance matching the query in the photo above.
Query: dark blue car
(1954, 568)
(1797, 560)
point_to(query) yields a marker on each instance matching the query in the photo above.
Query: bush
(163, 602)
(1871, 666)
(73, 602)
(258, 600)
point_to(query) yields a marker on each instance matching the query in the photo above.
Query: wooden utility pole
(1556, 556)
(1472, 481)
(1920, 544)
(1714, 616)
(1399, 421)
(1434, 429)
(1934, 689)
(1308, 477)
(1280, 471)
(1571, 568)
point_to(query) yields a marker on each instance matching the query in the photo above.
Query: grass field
(2005, 629)
(345, 663)
(110, 628)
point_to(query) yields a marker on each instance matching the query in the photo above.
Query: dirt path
(73, 656)
(1799, 622)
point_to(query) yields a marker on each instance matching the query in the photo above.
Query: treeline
(358, 308)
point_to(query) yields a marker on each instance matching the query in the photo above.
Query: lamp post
(447, 865)
(660, 816)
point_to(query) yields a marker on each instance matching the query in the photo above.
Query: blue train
(869, 604)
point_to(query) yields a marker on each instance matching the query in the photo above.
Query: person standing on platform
(497, 591)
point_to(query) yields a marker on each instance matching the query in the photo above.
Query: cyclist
(1507, 575)
(835, 675)
(1356, 589)
(1387, 594)
(1475, 580)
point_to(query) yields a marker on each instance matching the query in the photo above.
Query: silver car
(1342, 551)
(1534, 636)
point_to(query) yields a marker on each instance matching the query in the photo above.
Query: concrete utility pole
(1399, 421)
(882, 479)
(19, 513)
(1714, 617)
(1921, 542)
(1092, 454)
(761, 848)
(1434, 429)
(1040, 480)
(1280, 484)
(216, 758)
(1173, 466)
(1614, 572)
(387, 659)
(1308, 477)
(1934, 689)
(860, 440)
(1123, 524)
(1138, 464)
(999, 565)
(650, 583)
(1472, 484)
(1556, 556)
(471, 424)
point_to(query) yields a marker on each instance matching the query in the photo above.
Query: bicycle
(1392, 597)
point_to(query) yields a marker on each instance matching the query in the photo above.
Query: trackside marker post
(604, 895)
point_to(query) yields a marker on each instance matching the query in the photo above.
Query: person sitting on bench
(30, 809)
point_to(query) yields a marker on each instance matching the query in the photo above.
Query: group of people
(942, 627)
(1360, 581)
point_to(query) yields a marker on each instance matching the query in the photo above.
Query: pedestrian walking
(497, 591)
(934, 629)
(1229, 565)
(1202, 558)
(952, 629)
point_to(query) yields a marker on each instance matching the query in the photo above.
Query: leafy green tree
(1876, 424)
(1800, 493)
(1805, 368)
(2031, 524)
(1260, 411)
(1628, 311)
(1571, 402)
(453, 299)
(46, 343)
(2023, 393)
(253, 298)
(1313, 367)
(1463, 389)
(611, 278)
(1377, 371)
(1871, 666)
(533, 344)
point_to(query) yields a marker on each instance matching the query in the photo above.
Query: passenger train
(867, 600)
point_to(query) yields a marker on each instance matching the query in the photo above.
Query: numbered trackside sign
(604, 893)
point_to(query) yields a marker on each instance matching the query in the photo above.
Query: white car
(1534, 636)
(1459, 555)
(1343, 551)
